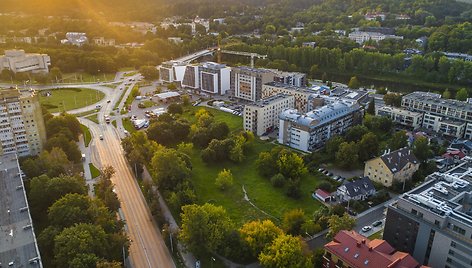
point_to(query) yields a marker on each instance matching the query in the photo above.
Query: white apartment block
(361, 37)
(18, 61)
(310, 131)
(22, 128)
(172, 71)
(214, 78)
(403, 117)
(448, 117)
(262, 116)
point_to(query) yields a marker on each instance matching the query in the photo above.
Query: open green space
(113, 123)
(271, 202)
(128, 125)
(86, 77)
(93, 118)
(94, 171)
(87, 135)
(65, 99)
(87, 113)
(377, 235)
(130, 74)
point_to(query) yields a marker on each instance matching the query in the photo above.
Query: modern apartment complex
(247, 83)
(302, 95)
(18, 61)
(22, 128)
(361, 37)
(214, 78)
(291, 78)
(172, 71)
(396, 166)
(448, 117)
(18, 246)
(433, 222)
(350, 249)
(310, 131)
(263, 116)
(191, 77)
(409, 119)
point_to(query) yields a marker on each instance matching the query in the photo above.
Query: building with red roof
(322, 195)
(351, 249)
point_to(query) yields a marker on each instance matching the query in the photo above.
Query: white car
(366, 228)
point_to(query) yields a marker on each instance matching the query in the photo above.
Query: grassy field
(377, 235)
(87, 135)
(260, 191)
(86, 77)
(113, 123)
(94, 171)
(65, 99)
(86, 113)
(128, 125)
(93, 118)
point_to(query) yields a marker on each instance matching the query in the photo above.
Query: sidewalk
(87, 175)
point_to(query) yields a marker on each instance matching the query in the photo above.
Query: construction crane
(239, 53)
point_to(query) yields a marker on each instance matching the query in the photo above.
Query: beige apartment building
(396, 166)
(22, 128)
(262, 116)
(302, 95)
(19, 61)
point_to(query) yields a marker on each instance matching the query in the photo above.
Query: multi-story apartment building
(291, 78)
(396, 166)
(361, 37)
(247, 83)
(310, 131)
(351, 249)
(433, 222)
(172, 71)
(410, 119)
(263, 115)
(214, 78)
(448, 117)
(302, 95)
(18, 61)
(22, 128)
(191, 77)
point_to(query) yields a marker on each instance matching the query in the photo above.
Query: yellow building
(396, 166)
(22, 128)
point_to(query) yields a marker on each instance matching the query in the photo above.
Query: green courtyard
(271, 202)
(65, 99)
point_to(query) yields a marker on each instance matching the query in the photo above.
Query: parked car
(366, 228)
(101, 137)
(321, 170)
(330, 174)
(377, 223)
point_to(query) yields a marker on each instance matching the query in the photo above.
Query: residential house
(360, 189)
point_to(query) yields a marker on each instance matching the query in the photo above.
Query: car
(108, 101)
(321, 170)
(98, 106)
(101, 137)
(330, 174)
(366, 228)
(134, 117)
(336, 178)
(377, 223)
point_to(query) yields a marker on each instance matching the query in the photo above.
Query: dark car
(377, 223)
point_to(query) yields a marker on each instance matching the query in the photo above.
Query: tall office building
(22, 128)
(214, 78)
(191, 77)
(433, 222)
(310, 131)
(18, 61)
(246, 83)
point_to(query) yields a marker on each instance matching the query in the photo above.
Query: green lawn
(87, 113)
(123, 91)
(128, 125)
(65, 99)
(94, 171)
(260, 191)
(79, 77)
(130, 74)
(113, 123)
(93, 118)
(87, 135)
(377, 235)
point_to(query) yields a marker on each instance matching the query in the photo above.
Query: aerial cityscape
(235, 133)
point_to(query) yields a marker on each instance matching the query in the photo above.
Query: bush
(293, 190)
(278, 180)
(224, 180)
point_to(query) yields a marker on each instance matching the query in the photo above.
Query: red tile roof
(358, 251)
(322, 193)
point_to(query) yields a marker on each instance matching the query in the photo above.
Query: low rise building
(392, 167)
(76, 39)
(361, 37)
(409, 119)
(104, 42)
(310, 131)
(433, 221)
(360, 189)
(263, 116)
(18, 61)
(351, 249)
(464, 146)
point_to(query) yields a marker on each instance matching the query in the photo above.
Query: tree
(175, 108)
(356, 133)
(337, 223)
(399, 140)
(332, 146)
(446, 94)
(224, 179)
(104, 189)
(278, 180)
(393, 99)
(285, 251)
(371, 107)
(266, 164)
(368, 146)
(293, 220)
(172, 86)
(462, 94)
(149, 72)
(421, 149)
(257, 235)
(204, 227)
(354, 83)
(347, 155)
(291, 165)
(313, 70)
(69, 210)
(169, 169)
(324, 77)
